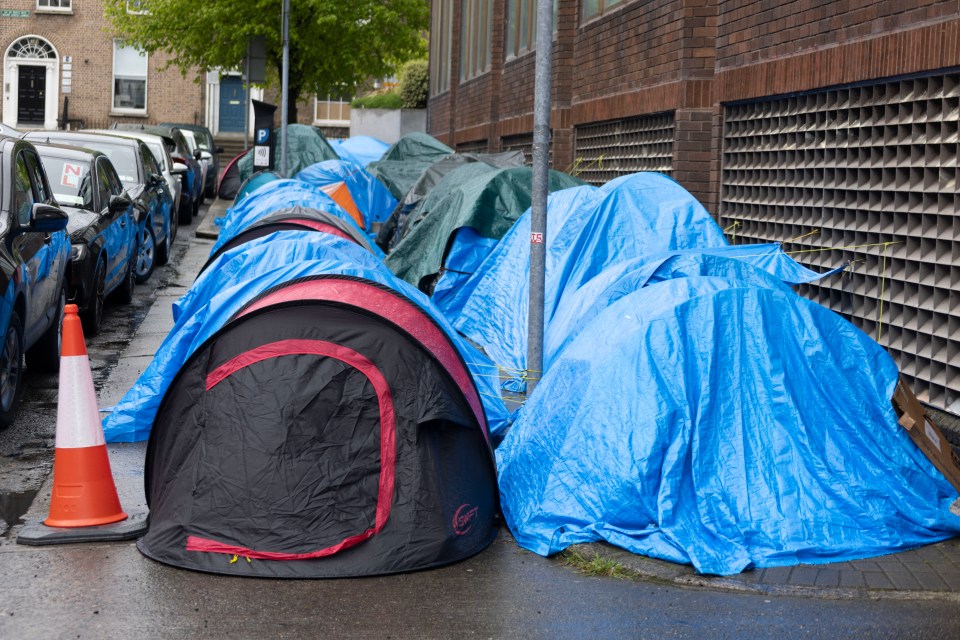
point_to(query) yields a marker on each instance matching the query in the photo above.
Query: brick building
(61, 52)
(827, 123)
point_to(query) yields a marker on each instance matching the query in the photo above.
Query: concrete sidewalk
(928, 572)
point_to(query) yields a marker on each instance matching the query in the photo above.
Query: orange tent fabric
(341, 195)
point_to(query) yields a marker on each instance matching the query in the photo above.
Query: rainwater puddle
(14, 505)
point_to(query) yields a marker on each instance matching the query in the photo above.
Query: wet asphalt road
(111, 591)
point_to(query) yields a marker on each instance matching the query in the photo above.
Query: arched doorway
(31, 83)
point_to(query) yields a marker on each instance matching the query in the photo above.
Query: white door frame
(11, 83)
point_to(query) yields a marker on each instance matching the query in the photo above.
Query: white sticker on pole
(536, 238)
(261, 156)
(71, 175)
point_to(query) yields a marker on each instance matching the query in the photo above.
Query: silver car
(171, 170)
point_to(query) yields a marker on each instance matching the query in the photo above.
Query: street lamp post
(541, 176)
(284, 87)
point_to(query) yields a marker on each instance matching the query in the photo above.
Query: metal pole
(538, 218)
(284, 86)
(246, 101)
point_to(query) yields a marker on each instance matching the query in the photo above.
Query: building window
(129, 78)
(54, 5)
(594, 8)
(441, 35)
(521, 35)
(136, 7)
(475, 26)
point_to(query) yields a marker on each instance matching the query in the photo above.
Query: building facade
(829, 125)
(62, 67)
(60, 61)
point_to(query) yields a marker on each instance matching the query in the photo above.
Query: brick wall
(83, 36)
(799, 45)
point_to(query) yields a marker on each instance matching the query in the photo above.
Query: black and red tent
(331, 428)
(294, 219)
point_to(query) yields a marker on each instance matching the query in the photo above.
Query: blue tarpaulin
(271, 197)
(361, 150)
(591, 234)
(371, 197)
(724, 423)
(225, 287)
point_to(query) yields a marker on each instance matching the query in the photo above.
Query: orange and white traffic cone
(83, 490)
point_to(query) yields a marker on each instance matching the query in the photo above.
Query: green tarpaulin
(404, 162)
(478, 196)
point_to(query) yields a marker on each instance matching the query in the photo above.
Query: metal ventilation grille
(869, 172)
(474, 146)
(522, 142)
(607, 150)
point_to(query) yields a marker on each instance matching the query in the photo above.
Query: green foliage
(388, 100)
(414, 84)
(333, 44)
(596, 565)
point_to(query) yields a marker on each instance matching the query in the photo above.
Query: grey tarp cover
(488, 203)
(305, 146)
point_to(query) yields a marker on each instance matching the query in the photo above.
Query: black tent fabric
(329, 429)
(293, 219)
(230, 181)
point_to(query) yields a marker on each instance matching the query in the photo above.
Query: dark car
(34, 253)
(141, 177)
(210, 153)
(192, 196)
(102, 228)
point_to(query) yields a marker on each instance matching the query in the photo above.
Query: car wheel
(45, 354)
(93, 314)
(11, 370)
(184, 212)
(163, 251)
(125, 290)
(146, 254)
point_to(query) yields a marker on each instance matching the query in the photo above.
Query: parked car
(34, 254)
(180, 151)
(210, 153)
(141, 177)
(198, 154)
(102, 228)
(170, 170)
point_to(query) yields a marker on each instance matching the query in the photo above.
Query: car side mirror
(156, 178)
(47, 218)
(178, 168)
(119, 204)
(198, 154)
(218, 150)
(206, 155)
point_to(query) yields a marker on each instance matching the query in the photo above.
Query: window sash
(54, 5)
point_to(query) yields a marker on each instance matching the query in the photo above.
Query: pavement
(928, 573)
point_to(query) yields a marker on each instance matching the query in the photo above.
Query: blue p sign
(263, 135)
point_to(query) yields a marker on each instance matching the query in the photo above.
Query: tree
(334, 44)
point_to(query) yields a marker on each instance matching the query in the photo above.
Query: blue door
(232, 101)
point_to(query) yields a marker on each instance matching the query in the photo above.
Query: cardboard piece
(926, 434)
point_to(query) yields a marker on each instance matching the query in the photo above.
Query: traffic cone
(84, 494)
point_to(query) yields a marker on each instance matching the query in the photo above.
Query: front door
(31, 94)
(233, 100)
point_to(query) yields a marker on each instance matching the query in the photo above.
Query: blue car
(34, 254)
(144, 183)
(103, 228)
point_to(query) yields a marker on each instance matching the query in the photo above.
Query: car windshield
(70, 180)
(122, 157)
